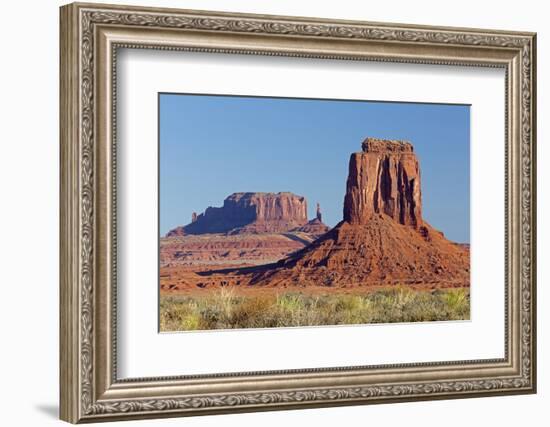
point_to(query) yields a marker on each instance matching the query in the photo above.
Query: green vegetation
(225, 309)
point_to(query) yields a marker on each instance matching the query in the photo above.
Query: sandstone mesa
(249, 229)
(250, 213)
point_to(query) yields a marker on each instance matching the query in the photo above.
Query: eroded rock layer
(384, 178)
(223, 249)
(250, 213)
(380, 252)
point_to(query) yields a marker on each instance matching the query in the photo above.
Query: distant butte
(245, 213)
(249, 229)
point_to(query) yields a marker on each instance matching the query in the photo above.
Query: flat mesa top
(376, 145)
(251, 194)
(261, 193)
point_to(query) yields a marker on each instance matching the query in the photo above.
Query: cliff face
(384, 179)
(252, 213)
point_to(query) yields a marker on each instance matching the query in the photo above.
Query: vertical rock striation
(250, 213)
(272, 212)
(384, 179)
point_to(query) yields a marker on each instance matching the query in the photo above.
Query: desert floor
(233, 308)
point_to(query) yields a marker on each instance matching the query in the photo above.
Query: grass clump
(225, 309)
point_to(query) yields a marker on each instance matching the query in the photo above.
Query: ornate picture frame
(90, 37)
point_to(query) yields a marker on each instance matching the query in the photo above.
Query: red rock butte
(384, 178)
(249, 213)
(382, 238)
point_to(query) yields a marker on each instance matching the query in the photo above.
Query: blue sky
(212, 146)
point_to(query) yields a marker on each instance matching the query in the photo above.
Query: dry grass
(226, 310)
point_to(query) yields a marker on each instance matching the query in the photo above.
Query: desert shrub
(173, 314)
(458, 303)
(191, 322)
(254, 312)
(225, 309)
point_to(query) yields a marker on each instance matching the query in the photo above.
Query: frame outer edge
(77, 339)
(69, 354)
(533, 201)
(305, 19)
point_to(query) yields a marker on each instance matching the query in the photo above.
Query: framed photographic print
(265, 212)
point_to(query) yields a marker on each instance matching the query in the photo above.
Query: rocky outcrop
(314, 227)
(381, 252)
(176, 232)
(384, 178)
(318, 214)
(383, 238)
(251, 213)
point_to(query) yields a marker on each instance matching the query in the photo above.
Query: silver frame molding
(90, 37)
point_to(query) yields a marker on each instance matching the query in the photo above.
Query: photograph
(291, 212)
(268, 210)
